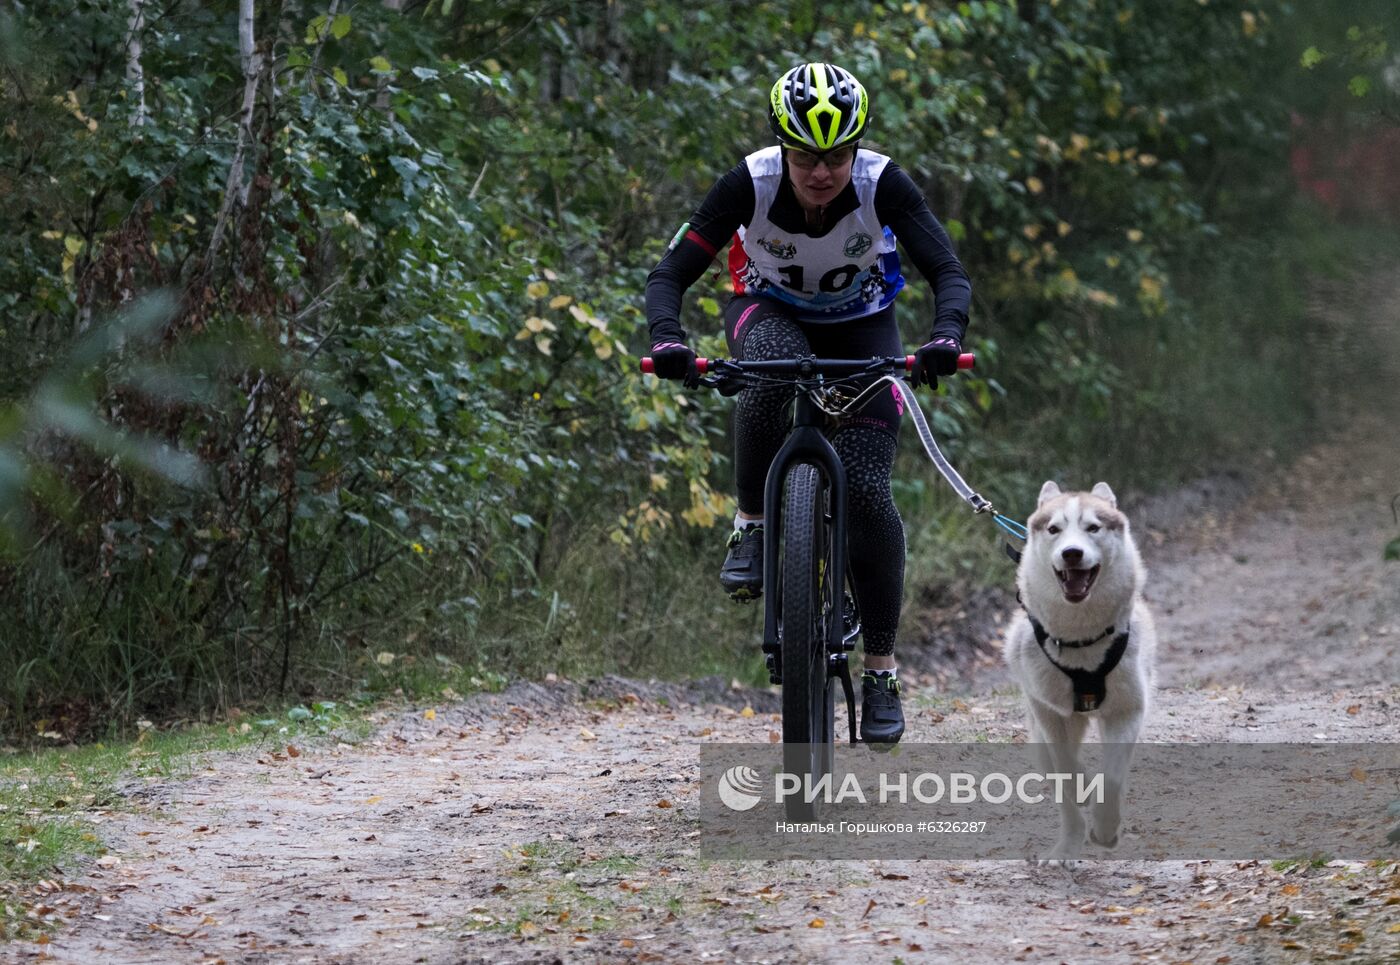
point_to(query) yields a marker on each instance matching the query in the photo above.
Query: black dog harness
(1090, 686)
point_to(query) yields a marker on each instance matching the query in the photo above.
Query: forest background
(319, 321)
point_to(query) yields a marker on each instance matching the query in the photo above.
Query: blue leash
(1010, 525)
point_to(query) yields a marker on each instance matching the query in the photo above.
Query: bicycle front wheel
(807, 581)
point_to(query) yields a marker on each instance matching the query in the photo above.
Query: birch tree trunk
(135, 75)
(235, 187)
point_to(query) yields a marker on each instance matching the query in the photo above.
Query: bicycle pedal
(745, 595)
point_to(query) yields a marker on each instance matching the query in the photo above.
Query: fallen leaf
(1354, 709)
(292, 751)
(746, 712)
(587, 734)
(1134, 890)
(1357, 774)
(528, 929)
(663, 803)
(891, 876)
(1265, 920)
(816, 923)
(1393, 929)
(430, 715)
(868, 909)
(374, 800)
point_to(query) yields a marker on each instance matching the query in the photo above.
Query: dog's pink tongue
(1077, 582)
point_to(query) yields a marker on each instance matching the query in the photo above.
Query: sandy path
(545, 824)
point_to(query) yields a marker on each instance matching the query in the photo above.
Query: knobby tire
(808, 701)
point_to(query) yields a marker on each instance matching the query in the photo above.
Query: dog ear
(1102, 491)
(1047, 492)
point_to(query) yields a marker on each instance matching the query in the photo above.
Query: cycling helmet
(818, 107)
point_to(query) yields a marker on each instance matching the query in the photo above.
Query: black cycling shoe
(742, 573)
(881, 717)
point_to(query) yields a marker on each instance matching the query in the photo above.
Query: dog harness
(1090, 686)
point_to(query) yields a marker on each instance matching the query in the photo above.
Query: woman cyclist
(813, 221)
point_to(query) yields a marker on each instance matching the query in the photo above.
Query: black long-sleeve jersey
(732, 202)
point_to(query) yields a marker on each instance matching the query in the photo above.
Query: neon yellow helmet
(818, 107)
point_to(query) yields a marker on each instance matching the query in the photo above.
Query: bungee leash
(980, 504)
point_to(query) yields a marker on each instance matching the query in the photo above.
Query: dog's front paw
(1104, 838)
(1064, 855)
(1104, 826)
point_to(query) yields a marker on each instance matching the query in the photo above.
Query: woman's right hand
(674, 360)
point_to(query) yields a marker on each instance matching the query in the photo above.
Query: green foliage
(442, 220)
(1351, 53)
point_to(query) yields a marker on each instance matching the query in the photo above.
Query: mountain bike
(811, 616)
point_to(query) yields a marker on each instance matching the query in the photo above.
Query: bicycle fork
(807, 443)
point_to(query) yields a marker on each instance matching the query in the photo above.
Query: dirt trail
(552, 823)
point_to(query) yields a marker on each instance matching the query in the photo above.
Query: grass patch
(1309, 863)
(561, 888)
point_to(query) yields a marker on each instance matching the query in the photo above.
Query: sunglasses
(835, 158)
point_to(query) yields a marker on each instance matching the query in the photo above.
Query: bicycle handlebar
(810, 366)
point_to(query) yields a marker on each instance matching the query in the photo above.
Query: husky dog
(1083, 648)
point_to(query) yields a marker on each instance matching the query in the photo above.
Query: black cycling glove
(674, 360)
(935, 358)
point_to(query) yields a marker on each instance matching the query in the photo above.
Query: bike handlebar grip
(649, 367)
(965, 361)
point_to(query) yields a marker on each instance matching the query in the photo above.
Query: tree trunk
(234, 187)
(135, 75)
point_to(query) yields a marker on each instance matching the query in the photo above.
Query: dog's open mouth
(1075, 584)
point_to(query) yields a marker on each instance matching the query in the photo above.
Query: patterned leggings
(758, 328)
